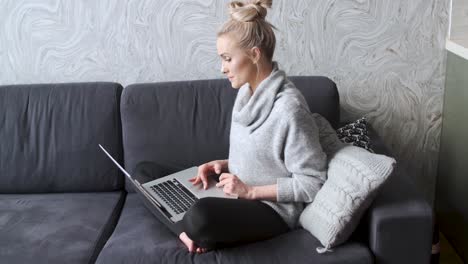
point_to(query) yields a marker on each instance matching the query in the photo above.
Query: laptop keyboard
(179, 198)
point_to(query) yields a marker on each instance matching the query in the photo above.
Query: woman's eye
(227, 59)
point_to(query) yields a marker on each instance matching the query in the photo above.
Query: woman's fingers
(204, 171)
(217, 168)
(224, 179)
(225, 176)
(221, 183)
(198, 179)
(194, 180)
(204, 179)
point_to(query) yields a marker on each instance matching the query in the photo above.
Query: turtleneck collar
(251, 110)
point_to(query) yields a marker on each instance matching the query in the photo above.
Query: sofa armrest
(399, 219)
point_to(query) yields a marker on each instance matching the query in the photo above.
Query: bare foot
(192, 247)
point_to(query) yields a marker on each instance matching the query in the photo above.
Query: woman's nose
(223, 70)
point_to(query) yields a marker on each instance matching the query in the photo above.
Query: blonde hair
(248, 25)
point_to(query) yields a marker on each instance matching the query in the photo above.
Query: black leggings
(219, 222)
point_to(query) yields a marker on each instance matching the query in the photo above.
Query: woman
(276, 163)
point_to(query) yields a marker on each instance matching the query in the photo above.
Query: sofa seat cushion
(140, 238)
(56, 228)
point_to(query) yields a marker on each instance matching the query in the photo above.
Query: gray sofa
(63, 201)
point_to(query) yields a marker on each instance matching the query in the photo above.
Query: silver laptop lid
(116, 163)
(134, 182)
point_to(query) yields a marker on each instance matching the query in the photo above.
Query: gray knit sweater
(274, 140)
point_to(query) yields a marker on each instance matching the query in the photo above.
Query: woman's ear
(255, 54)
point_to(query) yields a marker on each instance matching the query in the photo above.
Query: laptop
(174, 194)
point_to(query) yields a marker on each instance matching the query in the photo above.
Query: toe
(188, 242)
(192, 248)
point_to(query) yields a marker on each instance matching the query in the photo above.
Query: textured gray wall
(387, 56)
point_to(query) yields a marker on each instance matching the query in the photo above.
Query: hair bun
(264, 3)
(248, 12)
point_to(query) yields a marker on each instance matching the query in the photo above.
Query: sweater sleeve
(304, 159)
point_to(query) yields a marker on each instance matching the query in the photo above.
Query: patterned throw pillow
(355, 134)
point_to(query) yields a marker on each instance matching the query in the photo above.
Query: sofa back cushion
(186, 123)
(50, 135)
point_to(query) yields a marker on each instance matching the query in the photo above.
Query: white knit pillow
(354, 176)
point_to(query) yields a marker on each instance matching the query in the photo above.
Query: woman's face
(235, 63)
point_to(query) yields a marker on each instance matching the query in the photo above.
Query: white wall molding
(457, 49)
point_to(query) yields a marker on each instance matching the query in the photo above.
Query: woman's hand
(232, 185)
(208, 169)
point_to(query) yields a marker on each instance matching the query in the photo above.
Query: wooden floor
(447, 253)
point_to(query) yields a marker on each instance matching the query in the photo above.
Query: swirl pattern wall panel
(387, 56)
